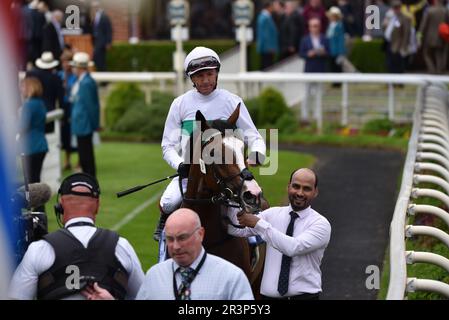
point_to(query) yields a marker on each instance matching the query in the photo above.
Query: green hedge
(368, 57)
(269, 110)
(122, 97)
(155, 55)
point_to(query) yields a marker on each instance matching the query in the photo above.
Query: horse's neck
(200, 185)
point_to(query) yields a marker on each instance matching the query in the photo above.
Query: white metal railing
(249, 84)
(51, 169)
(429, 141)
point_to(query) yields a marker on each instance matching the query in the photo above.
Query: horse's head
(222, 161)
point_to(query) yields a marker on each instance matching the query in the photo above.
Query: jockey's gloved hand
(183, 170)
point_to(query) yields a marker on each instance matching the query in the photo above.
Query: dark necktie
(286, 260)
(184, 289)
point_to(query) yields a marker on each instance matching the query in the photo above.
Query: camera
(32, 225)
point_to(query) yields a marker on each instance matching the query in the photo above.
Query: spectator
(314, 49)
(85, 112)
(53, 39)
(53, 92)
(296, 237)
(101, 35)
(267, 41)
(191, 273)
(348, 17)
(278, 13)
(291, 30)
(336, 37)
(25, 32)
(68, 79)
(315, 10)
(32, 128)
(38, 22)
(435, 50)
(397, 36)
(410, 10)
(100, 255)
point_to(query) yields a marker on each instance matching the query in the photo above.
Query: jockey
(201, 66)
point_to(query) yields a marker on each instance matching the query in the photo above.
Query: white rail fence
(51, 168)
(250, 84)
(427, 162)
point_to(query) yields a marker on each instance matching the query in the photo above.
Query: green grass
(124, 165)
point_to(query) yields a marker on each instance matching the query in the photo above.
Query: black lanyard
(191, 278)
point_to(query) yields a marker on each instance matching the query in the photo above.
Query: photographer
(65, 261)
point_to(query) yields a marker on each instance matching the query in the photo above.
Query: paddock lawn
(123, 165)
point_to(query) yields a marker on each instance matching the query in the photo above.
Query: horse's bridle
(227, 196)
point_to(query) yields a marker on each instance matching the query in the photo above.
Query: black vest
(96, 263)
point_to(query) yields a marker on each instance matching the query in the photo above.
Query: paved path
(358, 190)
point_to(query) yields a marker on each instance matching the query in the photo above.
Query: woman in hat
(336, 36)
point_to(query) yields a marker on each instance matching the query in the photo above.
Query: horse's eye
(212, 153)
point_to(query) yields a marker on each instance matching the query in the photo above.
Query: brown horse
(219, 179)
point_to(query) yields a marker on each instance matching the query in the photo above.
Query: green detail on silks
(187, 127)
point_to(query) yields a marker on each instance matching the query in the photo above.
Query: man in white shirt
(296, 236)
(67, 260)
(201, 66)
(191, 273)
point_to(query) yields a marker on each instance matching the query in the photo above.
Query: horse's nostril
(248, 197)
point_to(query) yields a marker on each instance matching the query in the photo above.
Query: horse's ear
(232, 120)
(199, 117)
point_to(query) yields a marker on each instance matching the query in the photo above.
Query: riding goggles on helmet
(202, 64)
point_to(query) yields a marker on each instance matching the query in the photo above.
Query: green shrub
(287, 123)
(382, 126)
(253, 108)
(146, 120)
(123, 97)
(155, 55)
(368, 56)
(271, 107)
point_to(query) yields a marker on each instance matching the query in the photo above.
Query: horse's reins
(226, 194)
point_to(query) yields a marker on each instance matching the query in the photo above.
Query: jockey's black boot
(160, 226)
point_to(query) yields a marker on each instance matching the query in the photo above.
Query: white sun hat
(46, 61)
(81, 60)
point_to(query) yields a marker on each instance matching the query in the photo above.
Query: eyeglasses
(202, 63)
(182, 237)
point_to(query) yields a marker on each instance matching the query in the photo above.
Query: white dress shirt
(217, 279)
(40, 256)
(311, 235)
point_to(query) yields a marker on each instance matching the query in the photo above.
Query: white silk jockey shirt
(219, 104)
(311, 235)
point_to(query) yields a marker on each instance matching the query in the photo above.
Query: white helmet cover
(201, 58)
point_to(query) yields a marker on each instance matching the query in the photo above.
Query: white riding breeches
(171, 198)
